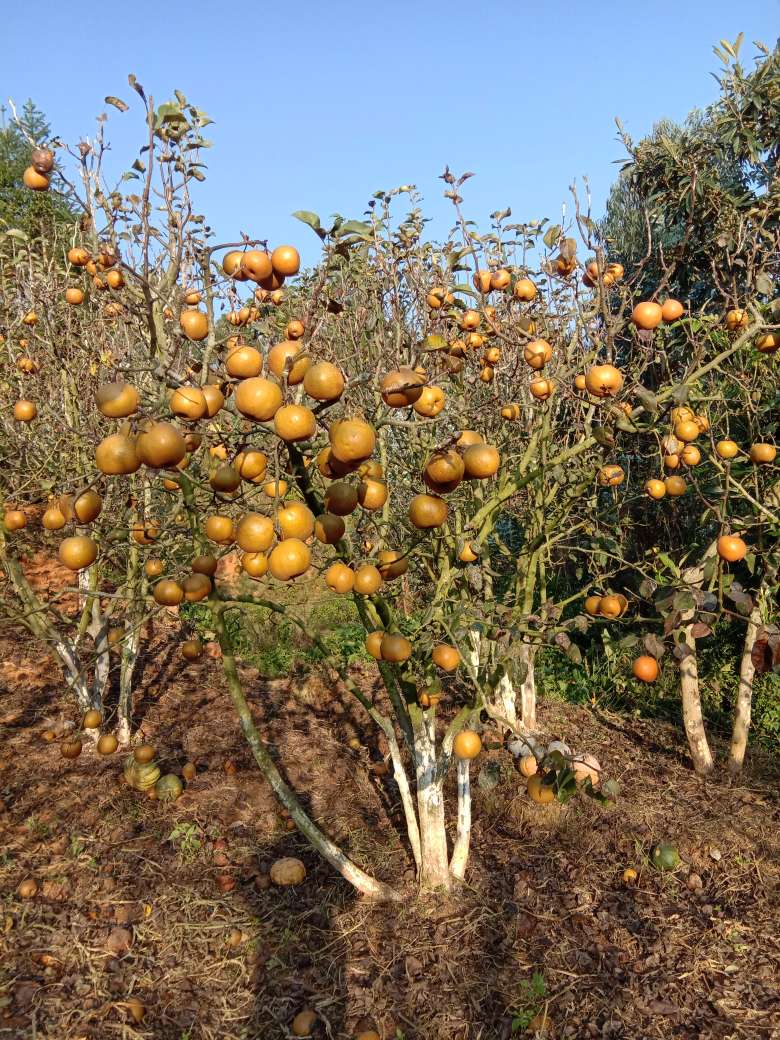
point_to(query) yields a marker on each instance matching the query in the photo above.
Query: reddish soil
(130, 904)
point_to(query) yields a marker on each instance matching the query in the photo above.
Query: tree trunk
(350, 871)
(460, 852)
(693, 720)
(528, 688)
(434, 861)
(743, 708)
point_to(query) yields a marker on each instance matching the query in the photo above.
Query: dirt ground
(171, 905)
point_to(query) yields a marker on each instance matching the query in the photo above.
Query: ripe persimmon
(645, 668)
(647, 315)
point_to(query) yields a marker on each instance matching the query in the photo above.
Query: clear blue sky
(319, 104)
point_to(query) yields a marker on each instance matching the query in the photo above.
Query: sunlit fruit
(34, 180)
(392, 564)
(537, 353)
(542, 389)
(27, 889)
(340, 578)
(107, 744)
(481, 281)
(117, 454)
(208, 564)
(401, 387)
(647, 315)
(77, 552)
(686, 430)
(145, 533)
(288, 360)
(587, 767)
(603, 380)
(690, 455)
(91, 719)
(168, 593)
(612, 606)
(214, 399)
(444, 470)
(762, 454)
(251, 465)
(295, 422)
(255, 564)
(768, 343)
(430, 402)
(525, 290)
(655, 488)
(428, 511)
(196, 587)
(289, 559)
(295, 520)
(374, 644)
(52, 519)
(194, 324)
(328, 528)
(500, 280)
(395, 648)
(592, 605)
(645, 668)
(188, 402)
(14, 520)
(74, 296)
(470, 320)
(254, 533)
(445, 657)
(510, 412)
(352, 440)
(368, 580)
(538, 791)
(159, 444)
(243, 362)
(611, 476)
(580, 382)
(737, 319)
(731, 548)
(117, 400)
(286, 260)
(372, 494)
(675, 486)
(25, 411)
(528, 765)
(154, 568)
(323, 381)
(481, 461)
(275, 488)
(671, 310)
(258, 398)
(304, 1022)
(87, 506)
(256, 264)
(467, 744)
(219, 529)
(78, 256)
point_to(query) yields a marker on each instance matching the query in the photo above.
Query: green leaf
(307, 217)
(355, 227)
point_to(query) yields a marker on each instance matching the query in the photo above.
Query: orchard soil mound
(171, 905)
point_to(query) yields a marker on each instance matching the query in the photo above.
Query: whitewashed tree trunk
(506, 700)
(460, 852)
(744, 706)
(528, 689)
(407, 802)
(693, 718)
(434, 861)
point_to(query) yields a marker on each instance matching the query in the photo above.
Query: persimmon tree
(457, 435)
